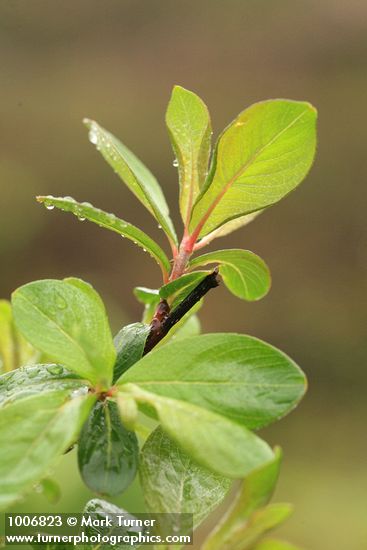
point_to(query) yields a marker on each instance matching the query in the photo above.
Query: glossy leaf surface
(67, 320)
(129, 343)
(260, 157)
(237, 376)
(189, 128)
(134, 174)
(107, 451)
(244, 273)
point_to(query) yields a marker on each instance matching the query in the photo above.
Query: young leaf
(216, 443)
(129, 344)
(229, 227)
(175, 291)
(134, 174)
(27, 381)
(189, 128)
(67, 320)
(255, 491)
(244, 273)
(272, 544)
(15, 351)
(262, 156)
(247, 534)
(107, 451)
(150, 298)
(86, 211)
(236, 376)
(34, 432)
(173, 484)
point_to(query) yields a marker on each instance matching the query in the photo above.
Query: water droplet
(81, 219)
(55, 369)
(50, 206)
(93, 135)
(61, 302)
(32, 373)
(159, 226)
(175, 163)
(144, 249)
(79, 392)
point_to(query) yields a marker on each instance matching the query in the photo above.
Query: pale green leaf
(262, 156)
(86, 211)
(244, 273)
(254, 492)
(134, 174)
(229, 227)
(173, 484)
(213, 441)
(237, 376)
(150, 298)
(189, 128)
(34, 432)
(67, 320)
(273, 544)
(15, 351)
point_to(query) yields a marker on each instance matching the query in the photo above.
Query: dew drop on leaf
(55, 369)
(175, 163)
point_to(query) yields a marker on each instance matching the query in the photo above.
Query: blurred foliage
(116, 61)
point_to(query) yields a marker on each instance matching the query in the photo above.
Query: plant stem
(160, 328)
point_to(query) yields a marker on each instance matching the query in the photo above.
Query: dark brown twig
(161, 325)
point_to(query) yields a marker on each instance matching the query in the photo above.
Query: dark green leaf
(107, 451)
(173, 484)
(134, 174)
(244, 273)
(86, 211)
(189, 128)
(34, 432)
(129, 344)
(262, 156)
(213, 441)
(233, 375)
(67, 320)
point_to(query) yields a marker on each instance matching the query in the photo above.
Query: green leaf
(107, 451)
(262, 156)
(150, 298)
(15, 351)
(189, 128)
(175, 291)
(246, 535)
(50, 490)
(213, 441)
(255, 491)
(272, 544)
(129, 344)
(86, 211)
(67, 320)
(34, 380)
(173, 484)
(100, 510)
(134, 174)
(229, 227)
(237, 376)
(244, 273)
(34, 432)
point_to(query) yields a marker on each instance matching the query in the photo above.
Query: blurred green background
(116, 61)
